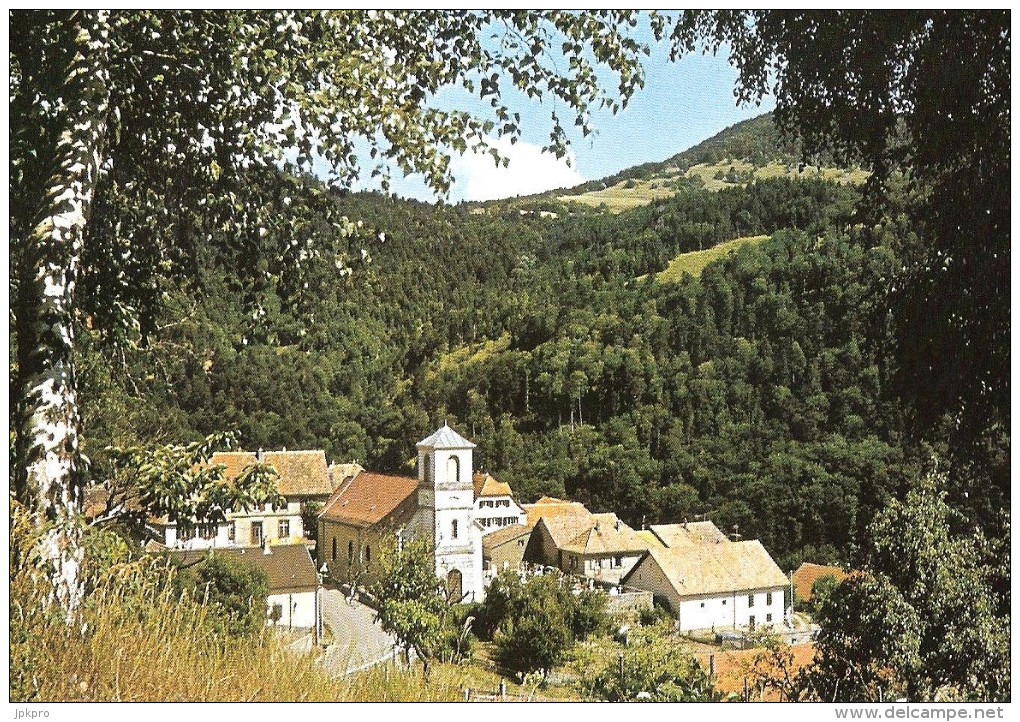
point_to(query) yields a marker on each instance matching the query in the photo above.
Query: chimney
(258, 454)
(685, 523)
(617, 525)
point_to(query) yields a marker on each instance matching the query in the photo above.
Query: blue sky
(681, 104)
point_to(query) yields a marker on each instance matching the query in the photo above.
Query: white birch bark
(48, 434)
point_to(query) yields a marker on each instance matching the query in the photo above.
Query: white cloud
(530, 171)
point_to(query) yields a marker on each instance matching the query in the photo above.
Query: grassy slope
(695, 261)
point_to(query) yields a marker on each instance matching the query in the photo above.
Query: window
(702, 605)
(453, 529)
(332, 555)
(232, 531)
(750, 621)
(573, 562)
(284, 529)
(724, 602)
(256, 533)
(768, 617)
(617, 561)
(453, 469)
(368, 554)
(350, 552)
(750, 600)
(277, 613)
(768, 599)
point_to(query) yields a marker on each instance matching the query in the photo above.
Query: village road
(357, 639)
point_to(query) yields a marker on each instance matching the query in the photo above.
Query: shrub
(655, 667)
(235, 593)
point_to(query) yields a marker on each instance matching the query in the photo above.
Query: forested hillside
(756, 394)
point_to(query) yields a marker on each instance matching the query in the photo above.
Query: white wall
(732, 610)
(301, 606)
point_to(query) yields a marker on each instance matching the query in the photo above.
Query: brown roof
(234, 462)
(504, 535)
(716, 568)
(289, 567)
(302, 473)
(807, 574)
(369, 498)
(733, 666)
(486, 485)
(548, 506)
(97, 500)
(339, 473)
(605, 534)
(695, 532)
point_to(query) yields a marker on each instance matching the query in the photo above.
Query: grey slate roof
(446, 438)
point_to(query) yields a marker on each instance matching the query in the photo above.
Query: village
(721, 591)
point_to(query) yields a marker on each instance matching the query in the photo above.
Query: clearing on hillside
(695, 261)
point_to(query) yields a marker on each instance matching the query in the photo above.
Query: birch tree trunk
(47, 447)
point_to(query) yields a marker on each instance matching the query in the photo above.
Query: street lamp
(318, 609)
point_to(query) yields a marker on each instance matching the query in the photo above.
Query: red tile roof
(807, 574)
(369, 498)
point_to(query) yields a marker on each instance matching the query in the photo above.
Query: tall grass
(134, 639)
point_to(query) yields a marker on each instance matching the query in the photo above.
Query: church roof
(369, 498)
(446, 438)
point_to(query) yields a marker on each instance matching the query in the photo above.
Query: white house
(710, 581)
(291, 574)
(303, 477)
(495, 506)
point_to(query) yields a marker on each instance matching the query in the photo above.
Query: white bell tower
(445, 467)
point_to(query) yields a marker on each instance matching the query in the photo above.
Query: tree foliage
(925, 93)
(656, 668)
(535, 622)
(178, 482)
(926, 619)
(234, 592)
(411, 600)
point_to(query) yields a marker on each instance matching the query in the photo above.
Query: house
(303, 478)
(439, 505)
(495, 507)
(504, 548)
(291, 574)
(709, 581)
(568, 536)
(807, 574)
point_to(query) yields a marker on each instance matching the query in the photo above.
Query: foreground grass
(135, 640)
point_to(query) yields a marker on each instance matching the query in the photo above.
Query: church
(369, 509)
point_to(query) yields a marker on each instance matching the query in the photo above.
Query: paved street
(355, 638)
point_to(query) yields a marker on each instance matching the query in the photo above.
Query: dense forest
(759, 394)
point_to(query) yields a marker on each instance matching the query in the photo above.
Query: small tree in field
(411, 601)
